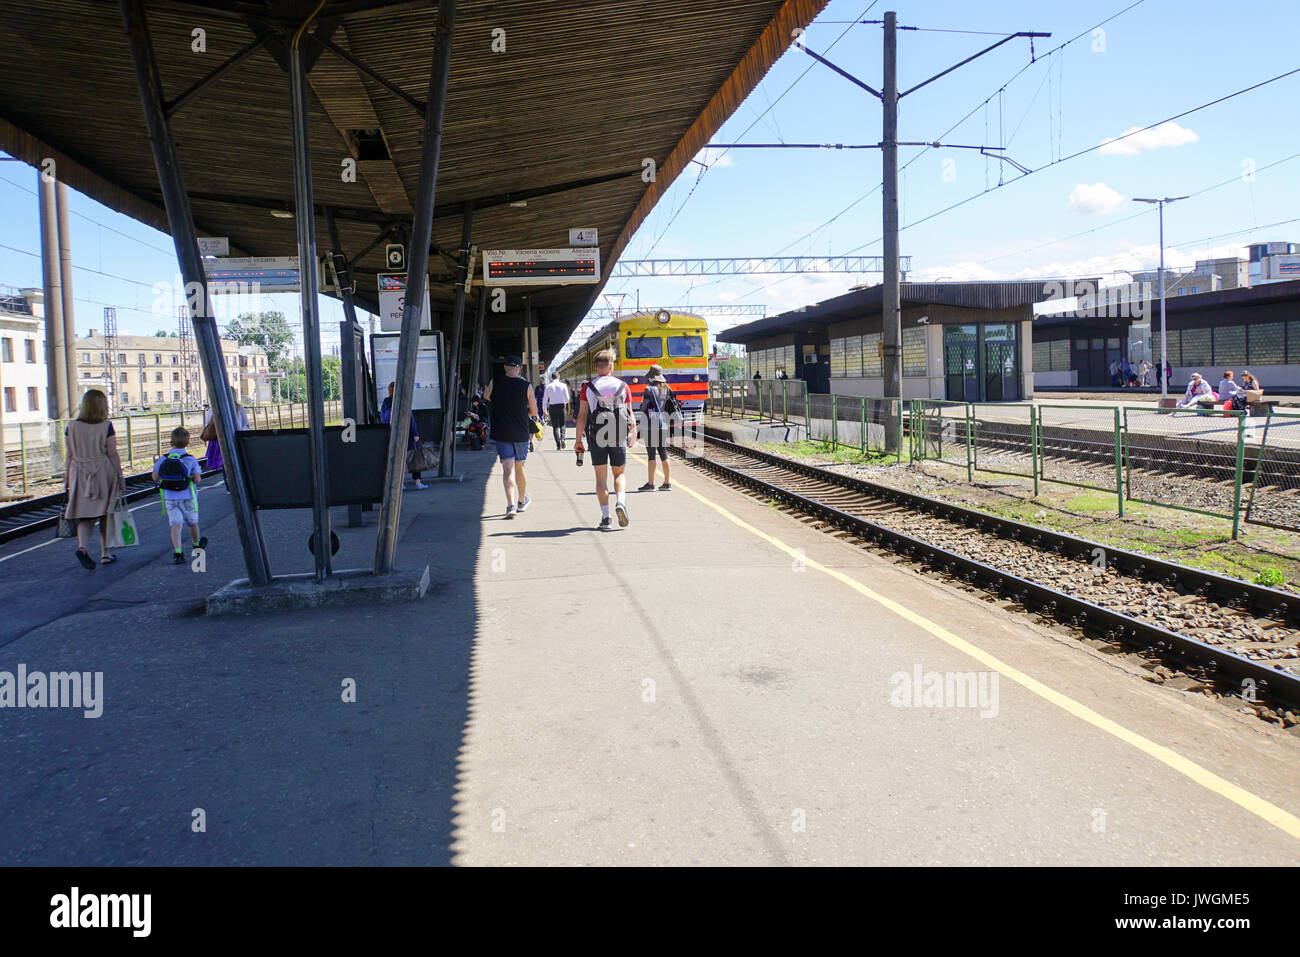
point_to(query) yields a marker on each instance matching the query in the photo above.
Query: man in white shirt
(556, 400)
(609, 427)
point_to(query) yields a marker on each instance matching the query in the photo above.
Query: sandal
(107, 559)
(87, 562)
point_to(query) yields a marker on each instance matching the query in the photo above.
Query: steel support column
(447, 460)
(65, 287)
(416, 277)
(305, 215)
(350, 387)
(476, 353)
(59, 388)
(181, 222)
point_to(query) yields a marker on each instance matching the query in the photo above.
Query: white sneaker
(510, 511)
(621, 511)
(420, 485)
(523, 504)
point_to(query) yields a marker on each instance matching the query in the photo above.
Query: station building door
(1092, 357)
(981, 362)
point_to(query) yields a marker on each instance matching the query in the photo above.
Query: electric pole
(891, 316)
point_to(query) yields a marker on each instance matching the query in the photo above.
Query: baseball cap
(514, 361)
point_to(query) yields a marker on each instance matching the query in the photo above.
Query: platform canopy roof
(563, 117)
(869, 301)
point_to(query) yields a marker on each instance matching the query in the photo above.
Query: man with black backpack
(606, 423)
(177, 474)
(660, 409)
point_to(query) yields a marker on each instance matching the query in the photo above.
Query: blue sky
(1153, 61)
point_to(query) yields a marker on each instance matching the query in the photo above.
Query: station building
(967, 341)
(1253, 327)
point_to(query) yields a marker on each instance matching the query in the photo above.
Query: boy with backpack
(660, 408)
(606, 423)
(177, 474)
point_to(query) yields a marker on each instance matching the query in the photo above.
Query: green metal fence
(35, 454)
(1084, 446)
(1185, 458)
(940, 431)
(1275, 489)
(1004, 439)
(1188, 459)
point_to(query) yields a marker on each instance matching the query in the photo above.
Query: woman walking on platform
(93, 477)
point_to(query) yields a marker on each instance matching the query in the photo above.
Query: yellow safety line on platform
(1279, 818)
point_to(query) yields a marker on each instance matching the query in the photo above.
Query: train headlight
(663, 316)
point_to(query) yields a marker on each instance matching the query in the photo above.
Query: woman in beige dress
(93, 478)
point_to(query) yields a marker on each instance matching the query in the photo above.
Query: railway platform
(718, 683)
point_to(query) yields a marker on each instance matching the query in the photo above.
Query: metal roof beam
(751, 265)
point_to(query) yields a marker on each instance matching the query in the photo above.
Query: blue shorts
(512, 450)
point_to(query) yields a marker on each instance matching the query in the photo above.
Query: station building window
(872, 361)
(914, 356)
(1266, 344)
(33, 398)
(11, 398)
(1230, 345)
(6, 350)
(29, 346)
(1196, 347)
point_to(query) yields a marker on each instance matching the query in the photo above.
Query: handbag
(66, 528)
(209, 433)
(121, 526)
(421, 459)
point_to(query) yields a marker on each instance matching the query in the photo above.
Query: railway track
(1203, 631)
(34, 514)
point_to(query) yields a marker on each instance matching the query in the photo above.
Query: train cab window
(644, 347)
(683, 346)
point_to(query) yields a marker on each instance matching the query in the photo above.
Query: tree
(270, 330)
(160, 334)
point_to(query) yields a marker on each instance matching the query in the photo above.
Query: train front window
(641, 347)
(685, 346)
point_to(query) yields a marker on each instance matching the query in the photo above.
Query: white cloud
(1166, 134)
(1097, 198)
(714, 158)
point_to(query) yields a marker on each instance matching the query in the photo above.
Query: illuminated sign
(540, 267)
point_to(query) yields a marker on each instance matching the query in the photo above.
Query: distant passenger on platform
(1198, 393)
(1114, 373)
(556, 402)
(1169, 371)
(1145, 373)
(757, 374)
(412, 436)
(1250, 384)
(1229, 392)
(93, 477)
(606, 423)
(212, 459)
(659, 407)
(513, 408)
(177, 474)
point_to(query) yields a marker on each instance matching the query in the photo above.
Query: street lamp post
(1164, 338)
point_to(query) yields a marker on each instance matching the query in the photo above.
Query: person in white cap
(1196, 388)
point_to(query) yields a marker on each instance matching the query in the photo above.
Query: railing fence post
(1119, 466)
(1241, 458)
(835, 421)
(862, 426)
(970, 442)
(1033, 445)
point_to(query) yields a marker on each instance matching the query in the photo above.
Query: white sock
(619, 498)
(604, 511)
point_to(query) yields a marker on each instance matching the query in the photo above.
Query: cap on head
(514, 361)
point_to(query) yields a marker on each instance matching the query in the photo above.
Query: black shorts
(603, 455)
(659, 450)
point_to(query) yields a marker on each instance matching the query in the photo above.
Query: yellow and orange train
(676, 341)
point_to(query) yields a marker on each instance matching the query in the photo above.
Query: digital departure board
(540, 267)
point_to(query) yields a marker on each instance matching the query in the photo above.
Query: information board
(428, 369)
(268, 273)
(540, 267)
